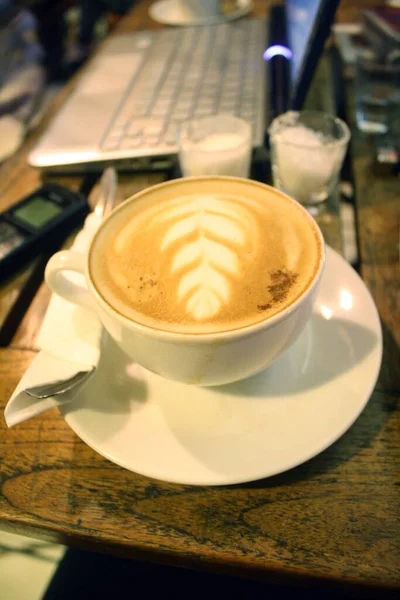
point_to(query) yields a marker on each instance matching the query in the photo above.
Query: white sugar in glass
(307, 152)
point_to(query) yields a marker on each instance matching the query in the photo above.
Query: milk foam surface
(200, 258)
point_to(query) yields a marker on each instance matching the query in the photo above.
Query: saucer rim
(230, 480)
(154, 10)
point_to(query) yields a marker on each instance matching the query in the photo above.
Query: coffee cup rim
(240, 332)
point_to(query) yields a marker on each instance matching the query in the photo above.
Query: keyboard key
(226, 111)
(230, 109)
(231, 85)
(228, 98)
(116, 132)
(183, 105)
(247, 107)
(152, 140)
(248, 116)
(150, 125)
(139, 109)
(171, 135)
(208, 104)
(120, 124)
(180, 115)
(134, 129)
(130, 143)
(160, 110)
(175, 72)
(135, 141)
(211, 79)
(206, 96)
(202, 111)
(188, 92)
(111, 145)
(153, 128)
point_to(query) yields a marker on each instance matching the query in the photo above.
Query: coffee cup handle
(55, 276)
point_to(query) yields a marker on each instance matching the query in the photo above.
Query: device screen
(301, 17)
(37, 212)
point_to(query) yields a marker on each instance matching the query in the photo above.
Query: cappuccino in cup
(205, 280)
(202, 258)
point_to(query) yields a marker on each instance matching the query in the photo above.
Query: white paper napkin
(69, 339)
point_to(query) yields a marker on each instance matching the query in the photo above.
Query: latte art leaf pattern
(205, 256)
(210, 238)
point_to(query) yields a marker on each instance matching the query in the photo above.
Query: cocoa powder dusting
(263, 306)
(282, 281)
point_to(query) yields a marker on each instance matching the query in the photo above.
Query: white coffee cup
(191, 9)
(205, 359)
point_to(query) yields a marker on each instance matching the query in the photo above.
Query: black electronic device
(278, 61)
(33, 225)
(308, 26)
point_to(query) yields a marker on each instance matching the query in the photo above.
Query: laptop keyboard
(191, 72)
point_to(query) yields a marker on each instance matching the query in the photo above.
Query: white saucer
(251, 429)
(168, 12)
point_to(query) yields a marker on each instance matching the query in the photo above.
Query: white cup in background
(198, 8)
(217, 145)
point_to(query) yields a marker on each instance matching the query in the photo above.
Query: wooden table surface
(335, 518)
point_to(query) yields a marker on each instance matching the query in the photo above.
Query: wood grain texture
(378, 203)
(336, 517)
(333, 519)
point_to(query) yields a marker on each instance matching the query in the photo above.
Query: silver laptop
(140, 86)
